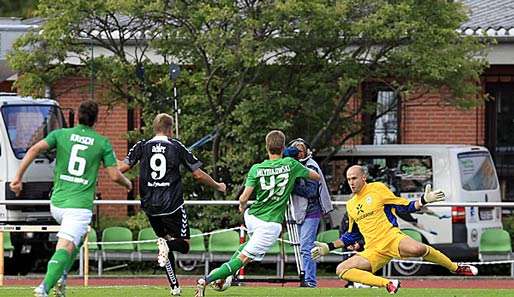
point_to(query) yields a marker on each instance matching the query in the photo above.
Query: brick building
(422, 121)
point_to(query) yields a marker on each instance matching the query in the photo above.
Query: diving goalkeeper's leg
(357, 269)
(409, 247)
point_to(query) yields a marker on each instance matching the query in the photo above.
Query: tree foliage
(18, 8)
(250, 66)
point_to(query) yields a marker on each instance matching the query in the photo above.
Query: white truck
(23, 122)
(465, 173)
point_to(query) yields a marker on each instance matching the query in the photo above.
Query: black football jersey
(160, 182)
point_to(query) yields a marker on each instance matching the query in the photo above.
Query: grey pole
(174, 72)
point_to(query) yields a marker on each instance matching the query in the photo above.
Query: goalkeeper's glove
(432, 196)
(321, 249)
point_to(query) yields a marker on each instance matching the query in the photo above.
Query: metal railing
(235, 202)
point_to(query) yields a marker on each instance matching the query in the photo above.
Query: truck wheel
(409, 269)
(187, 265)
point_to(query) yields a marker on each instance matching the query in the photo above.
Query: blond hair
(275, 142)
(163, 123)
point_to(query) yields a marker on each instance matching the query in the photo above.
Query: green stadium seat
(222, 246)
(91, 237)
(117, 234)
(495, 241)
(224, 242)
(328, 236)
(8, 247)
(495, 245)
(147, 234)
(197, 243)
(413, 234)
(7, 242)
(118, 251)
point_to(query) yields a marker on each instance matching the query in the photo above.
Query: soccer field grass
(153, 291)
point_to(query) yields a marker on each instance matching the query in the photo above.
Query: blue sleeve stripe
(411, 207)
(388, 209)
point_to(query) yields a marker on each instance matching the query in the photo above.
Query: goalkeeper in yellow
(372, 217)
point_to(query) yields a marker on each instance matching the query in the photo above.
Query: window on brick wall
(380, 117)
(500, 133)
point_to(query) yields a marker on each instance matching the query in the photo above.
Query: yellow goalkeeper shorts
(380, 255)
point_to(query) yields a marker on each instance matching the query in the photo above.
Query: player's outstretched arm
(323, 248)
(431, 196)
(32, 153)
(117, 177)
(200, 176)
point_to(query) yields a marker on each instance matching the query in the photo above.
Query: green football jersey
(273, 182)
(80, 150)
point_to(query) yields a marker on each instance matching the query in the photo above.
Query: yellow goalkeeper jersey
(374, 209)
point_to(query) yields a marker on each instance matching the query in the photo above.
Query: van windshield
(28, 124)
(477, 171)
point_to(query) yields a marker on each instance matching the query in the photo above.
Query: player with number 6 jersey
(79, 153)
(161, 192)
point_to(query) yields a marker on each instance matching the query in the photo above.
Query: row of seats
(495, 244)
(220, 246)
(226, 241)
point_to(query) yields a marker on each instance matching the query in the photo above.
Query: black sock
(179, 245)
(170, 271)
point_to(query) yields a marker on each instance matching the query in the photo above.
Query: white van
(465, 173)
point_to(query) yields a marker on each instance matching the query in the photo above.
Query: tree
(255, 65)
(19, 8)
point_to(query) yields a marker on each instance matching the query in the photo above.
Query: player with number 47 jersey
(161, 192)
(272, 181)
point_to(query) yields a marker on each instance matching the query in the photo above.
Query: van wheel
(187, 265)
(409, 269)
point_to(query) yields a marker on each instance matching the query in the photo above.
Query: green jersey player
(272, 181)
(80, 151)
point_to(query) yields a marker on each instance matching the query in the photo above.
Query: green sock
(226, 269)
(56, 267)
(71, 260)
(239, 250)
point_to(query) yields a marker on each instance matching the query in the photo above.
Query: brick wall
(111, 123)
(428, 120)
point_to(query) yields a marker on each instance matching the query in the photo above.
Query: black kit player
(161, 192)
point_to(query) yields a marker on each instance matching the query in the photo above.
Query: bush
(138, 222)
(108, 221)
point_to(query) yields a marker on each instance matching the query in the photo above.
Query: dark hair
(88, 113)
